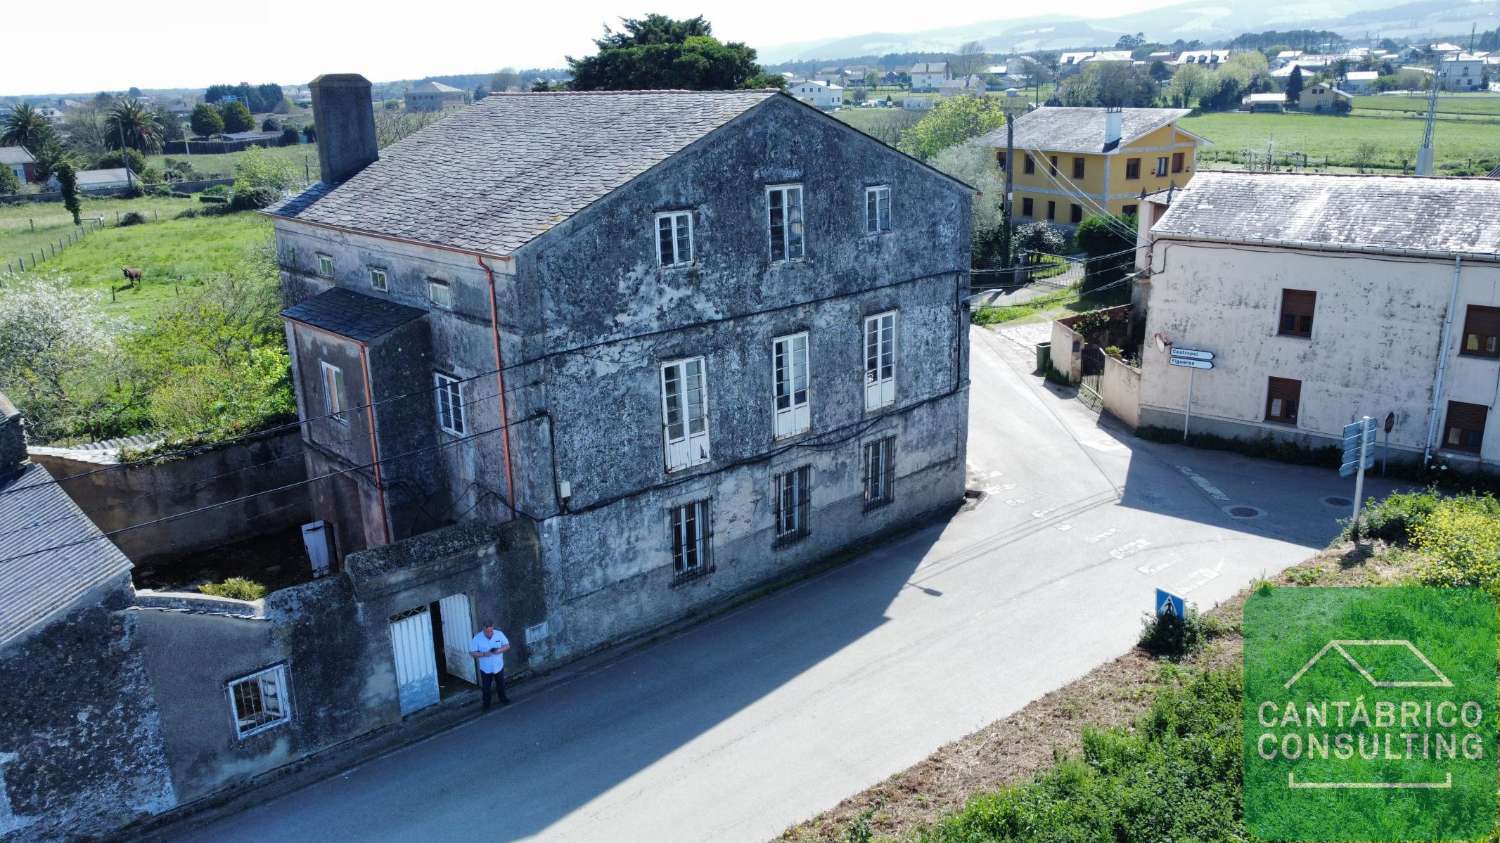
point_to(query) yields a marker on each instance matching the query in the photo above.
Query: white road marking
(1159, 565)
(1129, 548)
(1063, 528)
(1202, 577)
(1015, 501)
(1201, 482)
(1102, 536)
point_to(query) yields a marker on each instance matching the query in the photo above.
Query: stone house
(702, 340)
(927, 75)
(433, 96)
(1325, 298)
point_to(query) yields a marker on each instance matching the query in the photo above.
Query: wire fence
(37, 253)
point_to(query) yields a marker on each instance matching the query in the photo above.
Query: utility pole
(1013, 105)
(1424, 155)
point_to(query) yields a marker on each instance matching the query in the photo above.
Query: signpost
(1191, 359)
(1359, 454)
(1168, 603)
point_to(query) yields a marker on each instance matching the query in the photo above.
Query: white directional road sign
(1359, 441)
(1191, 354)
(1190, 363)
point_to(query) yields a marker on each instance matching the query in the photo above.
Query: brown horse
(132, 274)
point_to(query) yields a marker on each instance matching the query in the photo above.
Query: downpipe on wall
(510, 485)
(1437, 384)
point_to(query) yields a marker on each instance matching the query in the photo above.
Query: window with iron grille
(325, 265)
(335, 397)
(1283, 397)
(1078, 166)
(1297, 308)
(450, 403)
(789, 377)
(880, 360)
(1464, 428)
(793, 494)
(684, 400)
(1132, 168)
(674, 238)
(880, 472)
(259, 701)
(784, 204)
(877, 209)
(377, 279)
(692, 537)
(1481, 331)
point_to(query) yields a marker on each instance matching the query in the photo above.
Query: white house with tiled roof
(1325, 298)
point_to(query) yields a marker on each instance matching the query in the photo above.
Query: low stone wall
(118, 498)
(1067, 351)
(1120, 387)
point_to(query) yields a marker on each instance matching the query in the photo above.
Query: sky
(170, 43)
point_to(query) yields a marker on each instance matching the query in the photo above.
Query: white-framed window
(377, 279)
(877, 209)
(1161, 165)
(880, 472)
(335, 395)
(784, 208)
(450, 403)
(674, 238)
(439, 293)
(789, 376)
(880, 360)
(692, 537)
(684, 407)
(259, 701)
(793, 496)
(325, 265)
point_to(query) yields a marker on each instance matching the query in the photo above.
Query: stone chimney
(345, 118)
(1113, 117)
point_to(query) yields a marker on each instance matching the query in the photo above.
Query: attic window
(439, 293)
(674, 238)
(325, 265)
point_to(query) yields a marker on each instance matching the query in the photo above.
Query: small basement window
(259, 701)
(439, 293)
(1283, 395)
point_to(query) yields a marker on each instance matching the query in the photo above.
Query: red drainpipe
(364, 362)
(510, 490)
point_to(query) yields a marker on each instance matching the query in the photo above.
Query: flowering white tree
(57, 349)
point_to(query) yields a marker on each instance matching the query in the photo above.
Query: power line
(1073, 189)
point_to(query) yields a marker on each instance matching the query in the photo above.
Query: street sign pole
(1191, 359)
(1359, 479)
(1187, 414)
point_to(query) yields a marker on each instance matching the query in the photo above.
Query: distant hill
(1206, 20)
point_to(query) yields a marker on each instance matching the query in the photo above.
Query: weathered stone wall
(149, 491)
(80, 732)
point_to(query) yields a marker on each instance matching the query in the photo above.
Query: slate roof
(431, 87)
(15, 155)
(353, 315)
(1067, 129)
(36, 583)
(88, 178)
(495, 175)
(1358, 213)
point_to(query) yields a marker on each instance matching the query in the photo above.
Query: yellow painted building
(1072, 162)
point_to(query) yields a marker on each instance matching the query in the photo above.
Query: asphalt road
(763, 717)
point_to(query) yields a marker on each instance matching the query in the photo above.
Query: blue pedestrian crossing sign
(1169, 603)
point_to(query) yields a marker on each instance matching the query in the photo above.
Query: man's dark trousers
(498, 680)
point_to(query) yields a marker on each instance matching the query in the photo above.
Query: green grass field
(172, 253)
(305, 156)
(1448, 104)
(1337, 139)
(28, 228)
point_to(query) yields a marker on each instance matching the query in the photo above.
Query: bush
(187, 214)
(1393, 519)
(254, 198)
(216, 190)
(270, 124)
(1168, 636)
(206, 120)
(1461, 539)
(237, 118)
(235, 588)
(290, 136)
(9, 184)
(132, 218)
(131, 158)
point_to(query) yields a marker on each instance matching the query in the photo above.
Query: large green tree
(950, 122)
(206, 120)
(657, 52)
(1294, 86)
(237, 118)
(1109, 84)
(131, 124)
(25, 126)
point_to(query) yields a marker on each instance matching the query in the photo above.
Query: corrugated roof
(1067, 129)
(36, 583)
(495, 175)
(353, 315)
(109, 176)
(1358, 213)
(15, 155)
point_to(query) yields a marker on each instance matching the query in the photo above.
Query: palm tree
(132, 124)
(25, 126)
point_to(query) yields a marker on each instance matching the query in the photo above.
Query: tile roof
(353, 315)
(1358, 213)
(15, 155)
(36, 582)
(495, 175)
(1066, 129)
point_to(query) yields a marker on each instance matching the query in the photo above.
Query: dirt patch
(1116, 693)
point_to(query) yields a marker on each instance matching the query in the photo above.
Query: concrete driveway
(762, 717)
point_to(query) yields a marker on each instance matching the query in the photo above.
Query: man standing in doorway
(489, 646)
